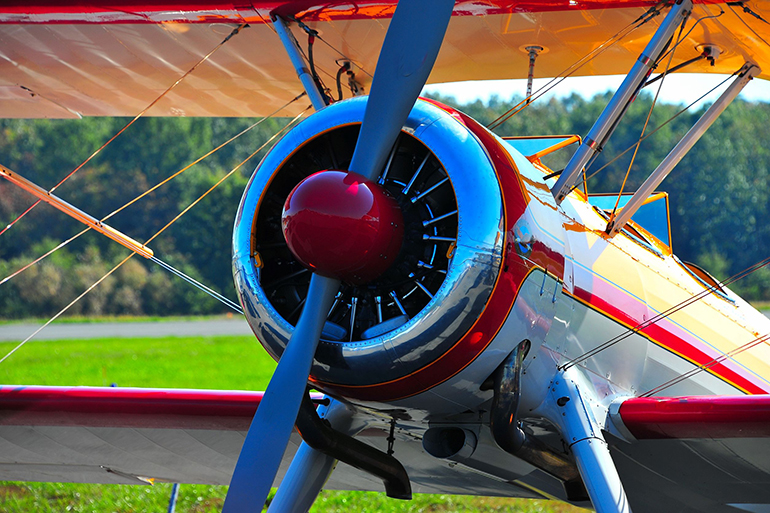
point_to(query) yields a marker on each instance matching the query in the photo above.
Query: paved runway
(208, 327)
(54, 331)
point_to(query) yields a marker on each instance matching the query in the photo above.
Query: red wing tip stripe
(697, 417)
(128, 407)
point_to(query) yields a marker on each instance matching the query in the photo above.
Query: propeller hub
(341, 225)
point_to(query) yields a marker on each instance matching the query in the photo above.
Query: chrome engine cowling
(437, 287)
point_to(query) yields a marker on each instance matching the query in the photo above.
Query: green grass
(226, 362)
(59, 497)
(231, 362)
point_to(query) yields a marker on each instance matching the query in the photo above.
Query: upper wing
(695, 453)
(68, 59)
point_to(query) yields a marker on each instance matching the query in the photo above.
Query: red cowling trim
(697, 417)
(473, 343)
(128, 407)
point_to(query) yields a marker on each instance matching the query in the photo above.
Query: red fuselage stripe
(664, 338)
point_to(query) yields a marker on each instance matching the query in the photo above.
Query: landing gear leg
(310, 469)
(304, 480)
(584, 436)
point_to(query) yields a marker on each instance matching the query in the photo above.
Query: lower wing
(707, 453)
(142, 436)
(677, 454)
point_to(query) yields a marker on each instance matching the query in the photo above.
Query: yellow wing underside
(66, 70)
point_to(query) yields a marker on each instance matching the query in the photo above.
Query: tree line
(718, 198)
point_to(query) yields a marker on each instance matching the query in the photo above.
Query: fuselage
(551, 275)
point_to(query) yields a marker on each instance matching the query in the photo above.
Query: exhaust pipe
(507, 432)
(321, 437)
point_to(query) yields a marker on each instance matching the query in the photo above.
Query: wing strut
(75, 213)
(292, 48)
(616, 108)
(746, 73)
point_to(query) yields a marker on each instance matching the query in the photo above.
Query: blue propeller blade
(272, 424)
(408, 53)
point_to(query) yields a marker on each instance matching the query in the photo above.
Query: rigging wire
(663, 315)
(659, 127)
(652, 12)
(195, 283)
(89, 289)
(697, 22)
(155, 187)
(747, 10)
(318, 36)
(44, 255)
(573, 68)
(196, 161)
(659, 77)
(229, 173)
(148, 107)
(187, 209)
(706, 366)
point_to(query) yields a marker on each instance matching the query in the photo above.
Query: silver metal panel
(662, 476)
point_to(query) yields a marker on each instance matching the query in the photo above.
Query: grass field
(227, 362)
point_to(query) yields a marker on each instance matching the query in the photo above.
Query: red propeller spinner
(342, 225)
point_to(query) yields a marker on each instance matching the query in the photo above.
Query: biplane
(472, 320)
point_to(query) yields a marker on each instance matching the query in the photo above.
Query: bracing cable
(187, 209)
(573, 68)
(707, 366)
(195, 283)
(148, 107)
(659, 127)
(730, 5)
(60, 312)
(647, 119)
(155, 187)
